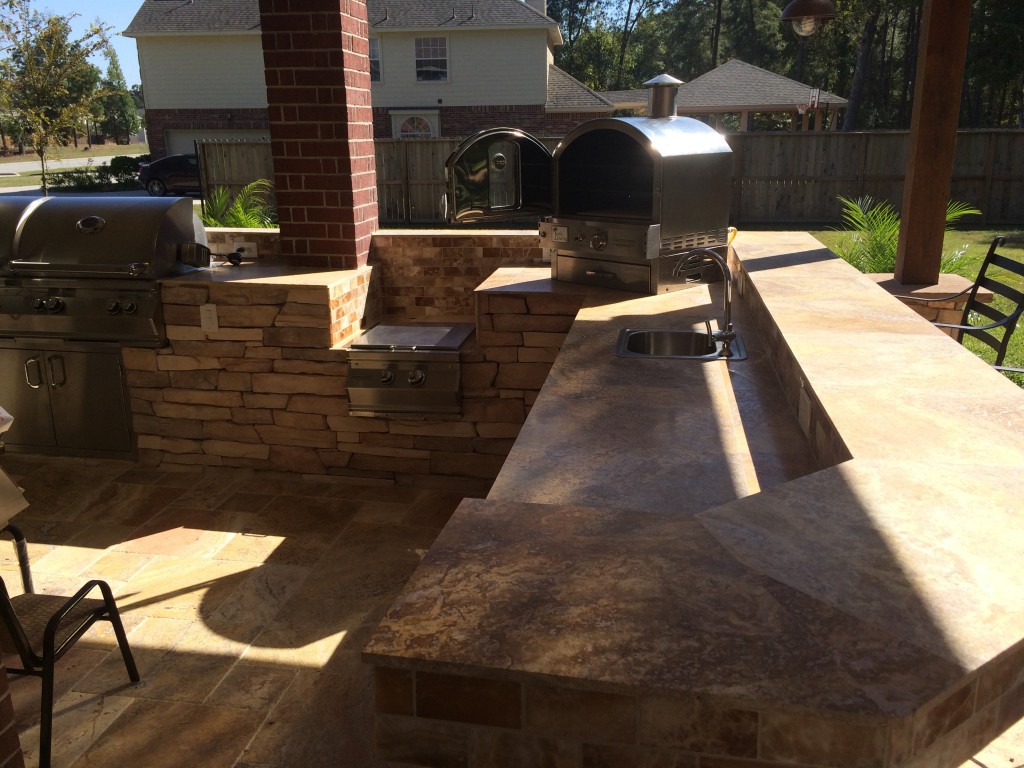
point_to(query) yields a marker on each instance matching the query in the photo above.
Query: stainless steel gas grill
(78, 281)
(407, 369)
(621, 198)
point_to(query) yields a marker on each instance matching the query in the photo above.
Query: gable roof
(190, 17)
(206, 17)
(567, 94)
(732, 87)
(737, 86)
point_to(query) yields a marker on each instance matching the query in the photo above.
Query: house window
(415, 124)
(414, 127)
(374, 59)
(431, 59)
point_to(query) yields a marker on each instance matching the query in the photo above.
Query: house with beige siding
(438, 68)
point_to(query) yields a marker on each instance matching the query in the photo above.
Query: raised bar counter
(640, 590)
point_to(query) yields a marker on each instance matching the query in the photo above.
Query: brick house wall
(159, 121)
(455, 121)
(458, 122)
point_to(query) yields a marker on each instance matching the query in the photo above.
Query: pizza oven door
(500, 173)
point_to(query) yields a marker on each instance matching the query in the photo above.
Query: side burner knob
(130, 307)
(417, 377)
(39, 305)
(54, 304)
(113, 307)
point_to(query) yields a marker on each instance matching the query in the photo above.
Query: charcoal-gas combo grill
(79, 281)
(621, 198)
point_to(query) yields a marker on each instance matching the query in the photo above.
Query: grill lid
(92, 236)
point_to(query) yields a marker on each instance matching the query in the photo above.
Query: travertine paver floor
(247, 598)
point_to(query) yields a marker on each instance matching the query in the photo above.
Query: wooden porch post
(940, 72)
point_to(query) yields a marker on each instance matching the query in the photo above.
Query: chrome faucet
(698, 256)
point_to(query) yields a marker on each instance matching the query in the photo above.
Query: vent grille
(707, 239)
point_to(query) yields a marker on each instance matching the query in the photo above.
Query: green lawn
(67, 153)
(977, 242)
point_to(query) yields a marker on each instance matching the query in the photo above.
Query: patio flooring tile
(247, 599)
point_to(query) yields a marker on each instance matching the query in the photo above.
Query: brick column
(315, 55)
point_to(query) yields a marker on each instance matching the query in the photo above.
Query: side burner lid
(425, 336)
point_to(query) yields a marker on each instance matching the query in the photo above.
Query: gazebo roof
(734, 87)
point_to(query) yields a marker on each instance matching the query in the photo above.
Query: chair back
(990, 277)
(12, 636)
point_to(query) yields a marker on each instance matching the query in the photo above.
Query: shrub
(875, 234)
(124, 169)
(250, 208)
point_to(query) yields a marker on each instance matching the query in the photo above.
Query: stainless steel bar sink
(678, 344)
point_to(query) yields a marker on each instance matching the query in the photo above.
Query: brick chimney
(316, 64)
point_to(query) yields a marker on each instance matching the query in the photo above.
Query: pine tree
(120, 120)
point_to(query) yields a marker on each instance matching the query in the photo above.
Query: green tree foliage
(46, 81)
(119, 118)
(868, 54)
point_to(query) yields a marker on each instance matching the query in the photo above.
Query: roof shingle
(162, 17)
(567, 94)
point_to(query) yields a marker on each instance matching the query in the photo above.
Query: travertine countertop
(885, 588)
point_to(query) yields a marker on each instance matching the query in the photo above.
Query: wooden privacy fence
(778, 178)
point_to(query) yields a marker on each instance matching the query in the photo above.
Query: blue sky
(114, 13)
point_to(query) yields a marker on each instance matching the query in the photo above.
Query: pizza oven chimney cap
(663, 95)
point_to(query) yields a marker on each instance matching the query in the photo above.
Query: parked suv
(177, 174)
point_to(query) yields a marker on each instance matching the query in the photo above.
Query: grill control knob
(130, 307)
(599, 241)
(39, 305)
(54, 304)
(417, 377)
(386, 377)
(113, 307)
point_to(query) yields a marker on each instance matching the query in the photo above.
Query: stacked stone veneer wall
(268, 389)
(432, 274)
(435, 719)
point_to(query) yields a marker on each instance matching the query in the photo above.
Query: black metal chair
(998, 285)
(42, 628)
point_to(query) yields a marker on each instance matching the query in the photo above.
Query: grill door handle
(55, 381)
(600, 273)
(33, 362)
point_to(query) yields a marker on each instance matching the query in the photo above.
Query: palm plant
(249, 209)
(874, 234)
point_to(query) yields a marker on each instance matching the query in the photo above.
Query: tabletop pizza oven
(621, 198)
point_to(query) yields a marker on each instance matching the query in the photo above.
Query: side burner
(413, 369)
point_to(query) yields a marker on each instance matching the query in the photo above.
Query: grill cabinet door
(25, 394)
(65, 401)
(500, 173)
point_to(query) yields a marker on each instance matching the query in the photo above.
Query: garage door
(182, 141)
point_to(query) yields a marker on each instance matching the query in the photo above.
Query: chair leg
(46, 715)
(114, 617)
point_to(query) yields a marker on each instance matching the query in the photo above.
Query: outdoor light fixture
(807, 16)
